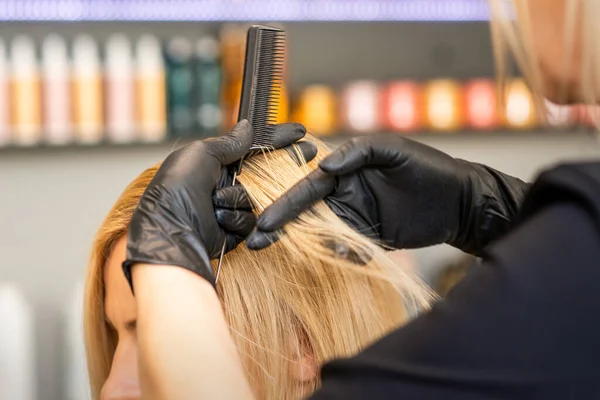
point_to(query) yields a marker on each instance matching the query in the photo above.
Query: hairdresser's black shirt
(525, 325)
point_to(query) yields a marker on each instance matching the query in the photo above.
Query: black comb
(261, 88)
(261, 85)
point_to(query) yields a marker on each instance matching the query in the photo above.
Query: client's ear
(304, 367)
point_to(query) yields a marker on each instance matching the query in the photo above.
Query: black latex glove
(175, 222)
(403, 193)
(233, 208)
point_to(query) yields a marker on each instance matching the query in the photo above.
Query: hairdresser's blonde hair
(512, 41)
(294, 298)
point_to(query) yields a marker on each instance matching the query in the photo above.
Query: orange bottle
(87, 97)
(151, 110)
(444, 110)
(316, 109)
(5, 134)
(519, 112)
(26, 92)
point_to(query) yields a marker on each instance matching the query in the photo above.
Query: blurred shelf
(100, 146)
(243, 10)
(466, 136)
(427, 136)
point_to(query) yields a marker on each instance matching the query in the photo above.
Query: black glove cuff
(204, 272)
(489, 207)
(157, 237)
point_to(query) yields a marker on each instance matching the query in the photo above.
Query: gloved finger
(237, 222)
(234, 146)
(307, 149)
(226, 178)
(366, 151)
(232, 197)
(353, 220)
(314, 187)
(232, 241)
(259, 240)
(287, 134)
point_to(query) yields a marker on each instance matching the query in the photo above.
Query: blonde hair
(294, 299)
(512, 42)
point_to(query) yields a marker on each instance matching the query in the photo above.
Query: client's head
(290, 307)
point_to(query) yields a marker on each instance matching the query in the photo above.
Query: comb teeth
(263, 80)
(268, 87)
(261, 88)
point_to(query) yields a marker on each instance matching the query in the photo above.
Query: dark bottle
(180, 87)
(207, 87)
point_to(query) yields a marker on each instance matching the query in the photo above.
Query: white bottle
(87, 97)
(559, 116)
(362, 106)
(5, 137)
(151, 90)
(17, 363)
(56, 93)
(77, 381)
(26, 96)
(120, 114)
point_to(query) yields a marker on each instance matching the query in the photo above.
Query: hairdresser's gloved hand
(175, 222)
(403, 193)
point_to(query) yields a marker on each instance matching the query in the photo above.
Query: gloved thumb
(234, 146)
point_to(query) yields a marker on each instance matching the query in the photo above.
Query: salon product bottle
(25, 92)
(17, 343)
(444, 105)
(402, 107)
(560, 116)
(5, 134)
(207, 87)
(233, 44)
(361, 108)
(151, 90)
(594, 116)
(119, 99)
(180, 87)
(87, 96)
(587, 116)
(481, 104)
(581, 116)
(56, 104)
(520, 108)
(317, 109)
(77, 382)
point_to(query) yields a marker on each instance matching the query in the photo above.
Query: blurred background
(92, 92)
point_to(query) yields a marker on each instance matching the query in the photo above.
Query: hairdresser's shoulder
(575, 184)
(521, 326)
